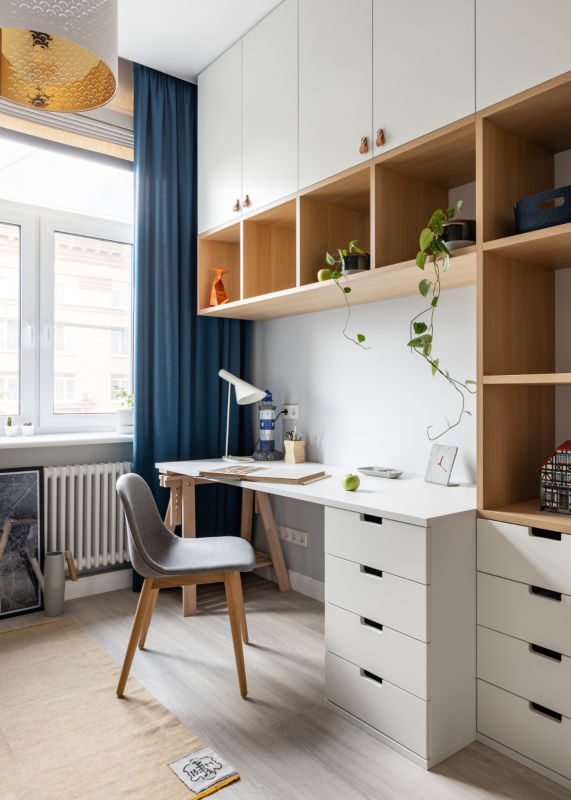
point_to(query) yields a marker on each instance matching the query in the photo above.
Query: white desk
(400, 592)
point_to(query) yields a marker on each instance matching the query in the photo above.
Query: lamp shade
(58, 55)
(245, 392)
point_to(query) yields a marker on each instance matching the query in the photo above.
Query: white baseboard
(97, 584)
(303, 584)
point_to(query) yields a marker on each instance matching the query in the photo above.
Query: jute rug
(65, 735)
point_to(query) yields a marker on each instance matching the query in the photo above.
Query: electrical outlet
(292, 536)
(291, 411)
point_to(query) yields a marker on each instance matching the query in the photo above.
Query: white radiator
(84, 514)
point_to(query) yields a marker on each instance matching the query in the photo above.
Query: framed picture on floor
(21, 540)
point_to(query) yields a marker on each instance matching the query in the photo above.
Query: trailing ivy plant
(336, 262)
(421, 333)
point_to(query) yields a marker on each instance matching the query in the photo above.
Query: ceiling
(181, 37)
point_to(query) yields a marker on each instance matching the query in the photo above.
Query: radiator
(84, 514)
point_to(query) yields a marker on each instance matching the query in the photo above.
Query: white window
(10, 260)
(119, 383)
(120, 295)
(120, 342)
(8, 389)
(9, 334)
(65, 389)
(64, 339)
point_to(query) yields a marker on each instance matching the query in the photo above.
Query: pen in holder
(294, 451)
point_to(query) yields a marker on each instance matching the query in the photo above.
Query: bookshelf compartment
(220, 249)
(270, 250)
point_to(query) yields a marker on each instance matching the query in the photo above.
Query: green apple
(324, 274)
(350, 482)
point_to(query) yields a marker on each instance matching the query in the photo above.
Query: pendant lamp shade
(58, 55)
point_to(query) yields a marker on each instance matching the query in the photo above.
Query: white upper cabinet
(519, 45)
(335, 70)
(270, 108)
(420, 85)
(220, 139)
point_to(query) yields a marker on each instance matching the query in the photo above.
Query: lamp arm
(228, 419)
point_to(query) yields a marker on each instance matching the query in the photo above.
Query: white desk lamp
(245, 394)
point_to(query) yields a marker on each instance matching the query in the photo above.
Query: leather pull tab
(246, 201)
(236, 206)
(364, 148)
(380, 137)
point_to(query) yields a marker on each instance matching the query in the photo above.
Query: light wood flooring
(285, 742)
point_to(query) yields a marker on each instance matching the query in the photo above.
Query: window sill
(63, 439)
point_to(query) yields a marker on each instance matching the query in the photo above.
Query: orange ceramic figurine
(218, 293)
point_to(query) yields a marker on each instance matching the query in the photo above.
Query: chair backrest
(148, 535)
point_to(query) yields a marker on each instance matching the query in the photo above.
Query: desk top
(407, 499)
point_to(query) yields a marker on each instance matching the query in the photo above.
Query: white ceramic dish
(380, 472)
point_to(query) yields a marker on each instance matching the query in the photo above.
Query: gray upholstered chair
(165, 560)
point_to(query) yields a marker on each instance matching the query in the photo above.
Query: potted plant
(11, 430)
(27, 428)
(125, 413)
(350, 260)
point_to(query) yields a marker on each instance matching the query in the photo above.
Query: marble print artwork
(20, 536)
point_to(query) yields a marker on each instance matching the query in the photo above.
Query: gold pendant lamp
(58, 55)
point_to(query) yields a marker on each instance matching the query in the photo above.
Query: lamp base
(237, 458)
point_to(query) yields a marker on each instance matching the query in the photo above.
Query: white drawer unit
(400, 628)
(396, 602)
(400, 659)
(530, 555)
(397, 713)
(525, 668)
(525, 612)
(538, 733)
(385, 544)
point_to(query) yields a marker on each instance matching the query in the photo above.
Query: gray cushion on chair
(156, 552)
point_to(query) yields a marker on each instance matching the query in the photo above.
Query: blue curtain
(180, 402)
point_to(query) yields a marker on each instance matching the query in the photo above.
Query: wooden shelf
(545, 379)
(384, 283)
(548, 247)
(527, 513)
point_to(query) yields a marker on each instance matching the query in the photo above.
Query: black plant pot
(355, 262)
(459, 233)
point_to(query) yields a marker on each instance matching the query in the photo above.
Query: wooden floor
(285, 742)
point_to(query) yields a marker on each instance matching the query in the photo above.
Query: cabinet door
(335, 72)
(269, 107)
(420, 86)
(219, 139)
(519, 45)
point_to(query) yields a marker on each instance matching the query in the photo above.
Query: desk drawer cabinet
(390, 587)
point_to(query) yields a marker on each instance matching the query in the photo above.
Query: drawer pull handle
(378, 573)
(540, 533)
(372, 518)
(371, 623)
(547, 712)
(548, 593)
(366, 674)
(544, 651)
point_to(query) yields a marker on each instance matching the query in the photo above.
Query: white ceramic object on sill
(125, 420)
(11, 430)
(28, 430)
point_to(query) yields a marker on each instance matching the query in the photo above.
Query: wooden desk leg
(273, 542)
(247, 511)
(188, 531)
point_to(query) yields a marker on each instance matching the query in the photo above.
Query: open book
(255, 472)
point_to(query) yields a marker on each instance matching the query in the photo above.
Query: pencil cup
(294, 451)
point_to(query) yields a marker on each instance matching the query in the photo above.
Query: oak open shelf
(396, 280)
(546, 379)
(527, 513)
(270, 250)
(219, 249)
(549, 248)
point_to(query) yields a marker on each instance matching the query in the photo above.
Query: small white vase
(28, 430)
(11, 430)
(125, 420)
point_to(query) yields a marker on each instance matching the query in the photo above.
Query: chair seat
(208, 554)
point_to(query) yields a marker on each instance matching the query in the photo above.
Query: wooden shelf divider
(545, 379)
(548, 247)
(528, 513)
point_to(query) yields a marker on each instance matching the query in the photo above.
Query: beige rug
(65, 735)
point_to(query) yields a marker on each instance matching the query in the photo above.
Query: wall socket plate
(292, 536)
(291, 411)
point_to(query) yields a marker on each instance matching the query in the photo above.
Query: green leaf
(358, 250)
(435, 364)
(424, 287)
(469, 381)
(427, 349)
(420, 341)
(426, 237)
(343, 254)
(438, 216)
(445, 262)
(459, 205)
(360, 337)
(346, 289)
(434, 302)
(421, 259)
(330, 260)
(336, 275)
(468, 412)
(419, 327)
(450, 212)
(352, 243)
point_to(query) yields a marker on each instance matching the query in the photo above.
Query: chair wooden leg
(140, 616)
(230, 579)
(241, 609)
(147, 622)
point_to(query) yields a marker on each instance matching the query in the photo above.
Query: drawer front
(510, 720)
(395, 602)
(524, 554)
(393, 656)
(512, 608)
(394, 547)
(392, 711)
(541, 675)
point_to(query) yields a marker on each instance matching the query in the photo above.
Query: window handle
(29, 337)
(47, 334)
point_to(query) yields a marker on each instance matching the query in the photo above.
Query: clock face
(440, 463)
